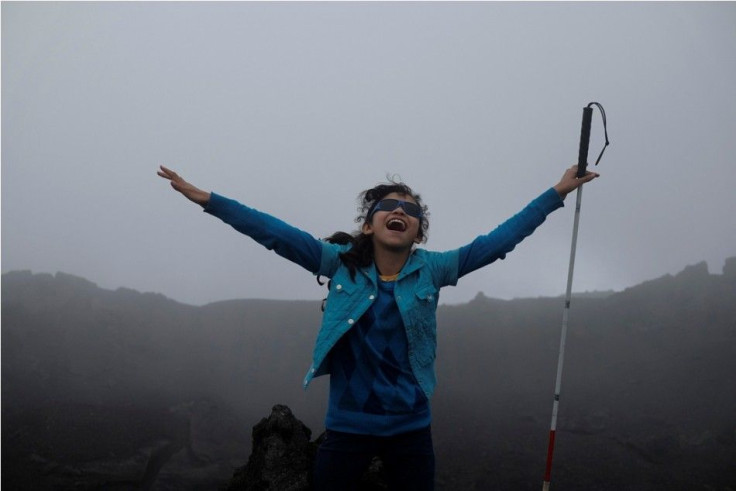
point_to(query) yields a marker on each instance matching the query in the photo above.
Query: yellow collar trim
(389, 278)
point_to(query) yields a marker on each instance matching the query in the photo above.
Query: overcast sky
(294, 108)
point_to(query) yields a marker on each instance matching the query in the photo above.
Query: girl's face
(393, 229)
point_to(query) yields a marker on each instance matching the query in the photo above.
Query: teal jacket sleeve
(287, 241)
(487, 248)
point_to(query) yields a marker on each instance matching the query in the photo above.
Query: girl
(378, 334)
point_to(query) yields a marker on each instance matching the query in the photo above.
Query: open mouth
(396, 225)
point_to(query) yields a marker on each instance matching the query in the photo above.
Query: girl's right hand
(190, 191)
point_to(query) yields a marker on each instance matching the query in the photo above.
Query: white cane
(582, 165)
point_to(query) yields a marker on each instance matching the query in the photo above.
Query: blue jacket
(417, 287)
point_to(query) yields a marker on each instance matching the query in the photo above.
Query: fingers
(165, 173)
(177, 182)
(169, 174)
(589, 175)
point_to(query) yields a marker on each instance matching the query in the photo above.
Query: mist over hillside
(124, 390)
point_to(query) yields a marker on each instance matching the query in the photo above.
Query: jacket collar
(413, 263)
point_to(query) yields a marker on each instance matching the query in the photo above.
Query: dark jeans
(408, 460)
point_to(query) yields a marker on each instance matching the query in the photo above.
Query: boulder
(282, 458)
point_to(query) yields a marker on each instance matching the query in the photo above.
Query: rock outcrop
(283, 456)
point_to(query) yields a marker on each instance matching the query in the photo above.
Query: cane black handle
(584, 141)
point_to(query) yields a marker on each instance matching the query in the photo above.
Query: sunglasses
(411, 209)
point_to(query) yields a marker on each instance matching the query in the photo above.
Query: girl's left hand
(570, 182)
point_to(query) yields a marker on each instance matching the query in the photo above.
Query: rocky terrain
(125, 390)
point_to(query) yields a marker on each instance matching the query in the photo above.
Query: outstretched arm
(287, 241)
(488, 248)
(190, 191)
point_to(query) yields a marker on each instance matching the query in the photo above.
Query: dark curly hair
(361, 254)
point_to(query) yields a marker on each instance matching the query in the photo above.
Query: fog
(294, 108)
(106, 389)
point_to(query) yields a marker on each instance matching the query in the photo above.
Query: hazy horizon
(323, 292)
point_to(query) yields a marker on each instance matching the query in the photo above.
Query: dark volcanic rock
(282, 455)
(283, 458)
